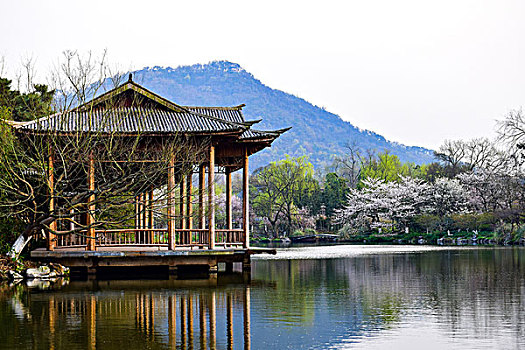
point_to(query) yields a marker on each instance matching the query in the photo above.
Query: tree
(480, 153)
(125, 166)
(448, 197)
(334, 193)
(349, 165)
(280, 189)
(511, 131)
(19, 106)
(386, 204)
(388, 167)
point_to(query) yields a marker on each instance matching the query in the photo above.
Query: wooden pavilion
(190, 235)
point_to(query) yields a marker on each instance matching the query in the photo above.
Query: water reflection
(472, 298)
(130, 314)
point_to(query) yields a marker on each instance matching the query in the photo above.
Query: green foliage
(427, 223)
(474, 221)
(334, 194)
(25, 106)
(10, 228)
(388, 167)
(280, 189)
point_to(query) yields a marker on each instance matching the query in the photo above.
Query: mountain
(315, 132)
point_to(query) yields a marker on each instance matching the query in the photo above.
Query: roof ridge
(131, 85)
(228, 122)
(232, 108)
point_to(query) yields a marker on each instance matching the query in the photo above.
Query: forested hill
(315, 132)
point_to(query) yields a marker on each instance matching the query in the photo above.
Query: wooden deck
(91, 261)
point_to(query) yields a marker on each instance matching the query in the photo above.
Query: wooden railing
(153, 237)
(229, 238)
(133, 237)
(193, 237)
(71, 240)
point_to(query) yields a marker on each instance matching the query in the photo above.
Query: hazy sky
(415, 71)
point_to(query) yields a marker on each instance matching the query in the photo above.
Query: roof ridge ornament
(130, 78)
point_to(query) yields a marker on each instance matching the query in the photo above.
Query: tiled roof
(234, 114)
(153, 115)
(132, 120)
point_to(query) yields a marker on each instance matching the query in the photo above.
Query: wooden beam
(91, 240)
(171, 204)
(202, 180)
(51, 238)
(211, 193)
(245, 201)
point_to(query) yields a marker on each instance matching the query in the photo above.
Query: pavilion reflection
(205, 316)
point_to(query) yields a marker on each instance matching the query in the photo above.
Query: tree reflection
(474, 296)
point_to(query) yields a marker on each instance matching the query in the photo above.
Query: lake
(331, 297)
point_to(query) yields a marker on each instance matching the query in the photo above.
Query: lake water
(341, 297)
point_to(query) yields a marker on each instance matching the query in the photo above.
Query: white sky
(415, 71)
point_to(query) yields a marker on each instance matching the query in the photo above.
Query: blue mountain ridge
(315, 132)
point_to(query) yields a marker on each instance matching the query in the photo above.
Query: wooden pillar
(202, 180)
(245, 202)
(136, 212)
(51, 238)
(91, 240)
(145, 216)
(151, 234)
(150, 209)
(182, 195)
(171, 204)
(229, 224)
(144, 210)
(189, 201)
(73, 237)
(139, 211)
(138, 218)
(211, 193)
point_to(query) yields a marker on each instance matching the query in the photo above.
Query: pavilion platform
(199, 259)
